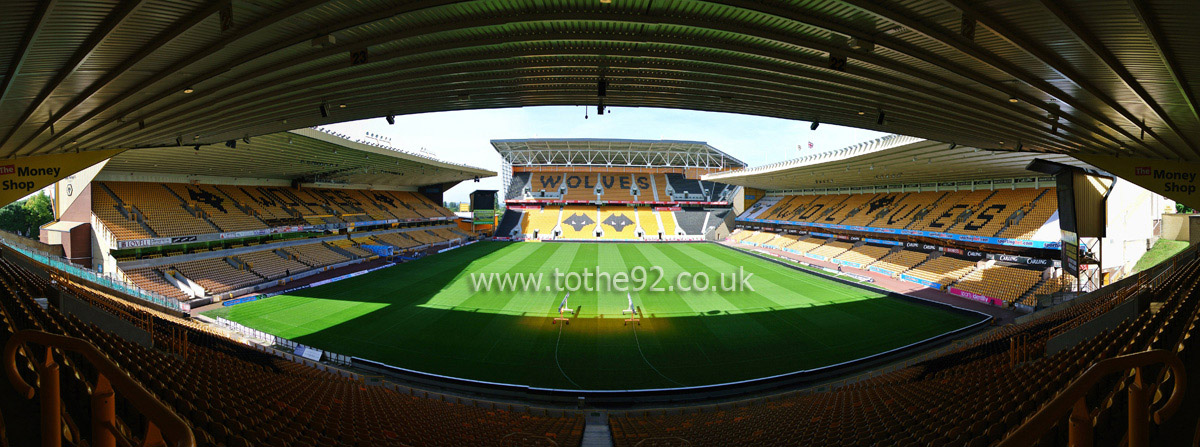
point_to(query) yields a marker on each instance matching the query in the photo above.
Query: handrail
(1073, 400)
(163, 422)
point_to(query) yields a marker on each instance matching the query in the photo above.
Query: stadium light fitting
(342, 105)
(814, 125)
(246, 139)
(1013, 99)
(188, 90)
(1020, 145)
(324, 111)
(880, 119)
(953, 145)
(197, 148)
(391, 119)
(232, 144)
(861, 113)
(179, 141)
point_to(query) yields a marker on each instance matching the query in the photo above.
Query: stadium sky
(463, 136)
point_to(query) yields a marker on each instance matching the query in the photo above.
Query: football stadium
(209, 238)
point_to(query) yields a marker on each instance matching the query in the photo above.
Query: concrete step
(595, 430)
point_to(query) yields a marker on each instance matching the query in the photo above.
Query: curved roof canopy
(891, 160)
(305, 155)
(1087, 76)
(614, 152)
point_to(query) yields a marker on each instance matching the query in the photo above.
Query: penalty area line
(556, 363)
(644, 359)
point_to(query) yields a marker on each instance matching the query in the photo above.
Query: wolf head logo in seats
(578, 221)
(618, 221)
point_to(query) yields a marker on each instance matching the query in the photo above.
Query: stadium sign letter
(23, 176)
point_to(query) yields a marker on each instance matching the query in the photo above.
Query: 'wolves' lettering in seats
(385, 199)
(208, 198)
(881, 203)
(549, 181)
(620, 181)
(576, 181)
(809, 213)
(950, 213)
(618, 221)
(643, 182)
(985, 216)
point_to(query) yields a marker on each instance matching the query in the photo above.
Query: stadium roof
(307, 155)
(1087, 76)
(890, 160)
(614, 152)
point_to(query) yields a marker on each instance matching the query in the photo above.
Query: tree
(40, 211)
(14, 218)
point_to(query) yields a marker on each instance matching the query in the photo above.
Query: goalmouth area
(431, 315)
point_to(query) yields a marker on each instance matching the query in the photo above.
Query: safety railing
(93, 277)
(1072, 401)
(163, 427)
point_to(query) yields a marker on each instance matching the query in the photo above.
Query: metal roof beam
(1159, 41)
(161, 40)
(952, 40)
(459, 25)
(1055, 64)
(257, 90)
(114, 20)
(1098, 49)
(32, 31)
(830, 96)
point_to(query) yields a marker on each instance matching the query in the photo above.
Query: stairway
(596, 431)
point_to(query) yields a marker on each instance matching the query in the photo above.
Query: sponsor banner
(138, 243)
(881, 270)
(924, 282)
(380, 250)
(615, 202)
(524, 208)
(976, 296)
(1172, 178)
(310, 353)
(22, 176)
(667, 208)
(240, 300)
(242, 234)
(974, 254)
(957, 251)
(287, 229)
(934, 234)
(883, 242)
(817, 257)
(814, 233)
(1021, 260)
(845, 263)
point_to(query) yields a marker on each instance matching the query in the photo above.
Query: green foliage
(1161, 251)
(26, 216)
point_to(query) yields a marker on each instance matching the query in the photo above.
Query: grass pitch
(426, 315)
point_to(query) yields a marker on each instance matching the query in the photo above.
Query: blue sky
(463, 136)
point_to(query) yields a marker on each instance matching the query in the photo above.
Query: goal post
(632, 311)
(563, 309)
